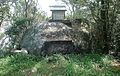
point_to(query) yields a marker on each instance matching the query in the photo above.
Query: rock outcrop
(46, 37)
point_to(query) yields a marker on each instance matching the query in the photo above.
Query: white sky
(44, 5)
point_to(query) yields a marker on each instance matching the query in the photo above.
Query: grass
(58, 65)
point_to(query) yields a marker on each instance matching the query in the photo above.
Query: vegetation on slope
(58, 65)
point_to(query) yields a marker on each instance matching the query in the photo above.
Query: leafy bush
(17, 30)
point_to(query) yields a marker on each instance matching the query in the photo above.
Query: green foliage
(12, 65)
(25, 14)
(17, 30)
(102, 20)
(4, 11)
(58, 65)
(21, 21)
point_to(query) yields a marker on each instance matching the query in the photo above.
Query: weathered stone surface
(37, 36)
(2, 53)
(64, 47)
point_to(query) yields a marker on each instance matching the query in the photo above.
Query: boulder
(48, 37)
(2, 53)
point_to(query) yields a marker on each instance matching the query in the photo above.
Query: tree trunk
(105, 24)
